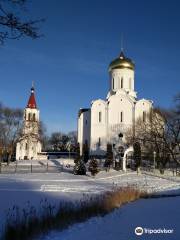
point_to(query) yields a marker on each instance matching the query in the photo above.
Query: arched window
(99, 142)
(100, 117)
(26, 147)
(121, 117)
(29, 116)
(34, 117)
(121, 82)
(144, 116)
(113, 83)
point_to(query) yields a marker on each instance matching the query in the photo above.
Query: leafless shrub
(29, 222)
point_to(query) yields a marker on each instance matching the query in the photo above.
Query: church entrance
(128, 158)
(124, 158)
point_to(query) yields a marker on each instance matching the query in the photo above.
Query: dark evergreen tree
(137, 154)
(79, 168)
(93, 166)
(77, 150)
(109, 156)
(85, 152)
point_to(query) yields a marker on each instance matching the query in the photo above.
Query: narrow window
(113, 83)
(118, 82)
(34, 117)
(99, 142)
(100, 116)
(121, 117)
(26, 146)
(144, 116)
(86, 121)
(121, 82)
(29, 116)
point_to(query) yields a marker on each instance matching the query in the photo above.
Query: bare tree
(13, 22)
(10, 128)
(59, 141)
(177, 104)
(44, 139)
(63, 142)
(160, 133)
(55, 140)
(72, 140)
(109, 157)
(137, 155)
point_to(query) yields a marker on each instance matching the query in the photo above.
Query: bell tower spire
(29, 144)
(31, 114)
(32, 100)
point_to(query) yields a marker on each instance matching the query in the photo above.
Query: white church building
(29, 145)
(106, 119)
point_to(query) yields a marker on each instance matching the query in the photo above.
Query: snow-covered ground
(153, 214)
(18, 189)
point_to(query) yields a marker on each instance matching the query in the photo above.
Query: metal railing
(16, 168)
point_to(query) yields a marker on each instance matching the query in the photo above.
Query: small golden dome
(121, 62)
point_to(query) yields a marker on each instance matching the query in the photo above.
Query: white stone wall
(31, 121)
(98, 126)
(143, 106)
(120, 103)
(31, 111)
(28, 148)
(120, 114)
(122, 78)
(84, 125)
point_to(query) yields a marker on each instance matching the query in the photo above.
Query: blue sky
(70, 63)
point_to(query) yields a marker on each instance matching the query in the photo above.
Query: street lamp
(121, 149)
(154, 157)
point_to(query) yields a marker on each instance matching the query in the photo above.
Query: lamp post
(154, 157)
(47, 163)
(31, 164)
(113, 148)
(121, 152)
(69, 149)
(69, 153)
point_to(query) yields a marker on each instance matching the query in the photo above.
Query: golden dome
(121, 62)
